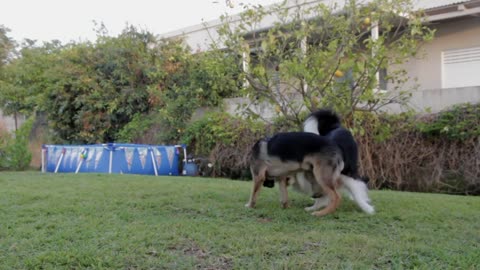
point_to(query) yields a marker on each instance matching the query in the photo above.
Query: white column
(245, 61)
(303, 47)
(44, 150)
(375, 33)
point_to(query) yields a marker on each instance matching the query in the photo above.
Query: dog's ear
(270, 183)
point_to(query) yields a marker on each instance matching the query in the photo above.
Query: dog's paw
(249, 205)
(311, 208)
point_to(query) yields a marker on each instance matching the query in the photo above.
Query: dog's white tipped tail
(359, 191)
(311, 125)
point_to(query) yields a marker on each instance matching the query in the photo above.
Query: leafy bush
(462, 122)
(14, 152)
(217, 128)
(135, 128)
(196, 81)
(409, 152)
(394, 153)
(226, 140)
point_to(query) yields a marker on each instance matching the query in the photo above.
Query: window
(382, 77)
(461, 67)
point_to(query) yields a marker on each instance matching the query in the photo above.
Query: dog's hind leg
(319, 203)
(259, 176)
(333, 204)
(283, 192)
(327, 177)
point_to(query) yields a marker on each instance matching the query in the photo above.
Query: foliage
(98, 88)
(65, 221)
(91, 91)
(24, 81)
(218, 128)
(461, 122)
(7, 45)
(190, 82)
(433, 153)
(14, 152)
(394, 153)
(9, 98)
(88, 91)
(380, 126)
(214, 75)
(404, 152)
(225, 141)
(316, 55)
(135, 129)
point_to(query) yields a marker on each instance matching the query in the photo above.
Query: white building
(448, 74)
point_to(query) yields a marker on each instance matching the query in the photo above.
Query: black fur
(305, 143)
(294, 146)
(327, 121)
(270, 183)
(329, 126)
(256, 149)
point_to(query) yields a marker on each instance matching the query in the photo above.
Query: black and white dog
(326, 123)
(285, 154)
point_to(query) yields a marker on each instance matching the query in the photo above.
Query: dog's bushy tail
(359, 193)
(321, 122)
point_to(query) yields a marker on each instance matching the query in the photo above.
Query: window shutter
(461, 67)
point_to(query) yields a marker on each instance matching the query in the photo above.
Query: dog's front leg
(283, 191)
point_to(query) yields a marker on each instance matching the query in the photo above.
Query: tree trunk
(15, 119)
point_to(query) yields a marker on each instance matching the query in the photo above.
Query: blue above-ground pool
(113, 158)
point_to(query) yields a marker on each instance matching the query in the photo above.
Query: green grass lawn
(68, 221)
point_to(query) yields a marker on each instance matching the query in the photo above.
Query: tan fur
(284, 191)
(258, 179)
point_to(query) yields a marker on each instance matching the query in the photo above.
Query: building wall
(200, 37)
(7, 122)
(454, 34)
(440, 99)
(435, 100)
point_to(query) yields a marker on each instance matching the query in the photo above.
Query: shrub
(135, 129)
(462, 122)
(394, 152)
(14, 152)
(225, 140)
(416, 156)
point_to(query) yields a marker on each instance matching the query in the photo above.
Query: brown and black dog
(285, 154)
